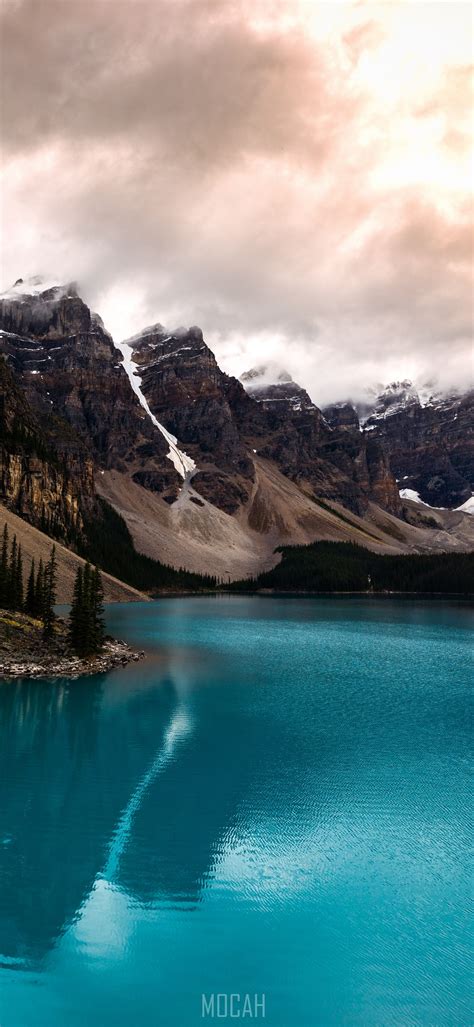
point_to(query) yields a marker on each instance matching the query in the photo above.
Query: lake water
(275, 802)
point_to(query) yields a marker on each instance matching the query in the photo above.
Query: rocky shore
(24, 653)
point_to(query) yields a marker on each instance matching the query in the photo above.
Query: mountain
(68, 366)
(271, 385)
(336, 460)
(46, 473)
(149, 444)
(429, 438)
(192, 399)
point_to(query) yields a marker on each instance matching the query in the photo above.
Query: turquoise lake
(276, 801)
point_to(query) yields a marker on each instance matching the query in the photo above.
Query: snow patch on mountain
(411, 494)
(156, 329)
(383, 402)
(259, 377)
(182, 462)
(468, 506)
(270, 383)
(34, 285)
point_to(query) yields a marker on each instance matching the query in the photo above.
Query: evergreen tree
(86, 619)
(50, 577)
(11, 576)
(4, 567)
(76, 612)
(39, 591)
(85, 611)
(30, 599)
(19, 581)
(97, 612)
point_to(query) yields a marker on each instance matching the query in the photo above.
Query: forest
(347, 567)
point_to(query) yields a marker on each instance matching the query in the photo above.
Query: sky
(294, 177)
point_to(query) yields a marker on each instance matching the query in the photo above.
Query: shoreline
(309, 592)
(114, 654)
(366, 594)
(24, 653)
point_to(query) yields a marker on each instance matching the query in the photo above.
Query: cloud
(246, 166)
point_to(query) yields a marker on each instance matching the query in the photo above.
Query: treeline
(86, 630)
(39, 597)
(86, 618)
(346, 567)
(108, 543)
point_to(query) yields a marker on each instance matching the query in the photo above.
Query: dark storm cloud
(214, 163)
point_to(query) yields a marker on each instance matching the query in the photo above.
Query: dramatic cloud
(294, 177)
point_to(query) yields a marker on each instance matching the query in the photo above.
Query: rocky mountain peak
(428, 436)
(69, 367)
(39, 286)
(342, 415)
(269, 373)
(273, 386)
(404, 391)
(156, 340)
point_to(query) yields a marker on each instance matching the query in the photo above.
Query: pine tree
(11, 576)
(4, 567)
(75, 612)
(85, 611)
(86, 619)
(19, 581)
(97, 612)
(50, 576)
(39, 591)
(30, 599)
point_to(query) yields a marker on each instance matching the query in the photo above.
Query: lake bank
(24, 652)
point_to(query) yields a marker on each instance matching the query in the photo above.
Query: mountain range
(205, 472)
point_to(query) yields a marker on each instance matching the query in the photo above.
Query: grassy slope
(36, 544)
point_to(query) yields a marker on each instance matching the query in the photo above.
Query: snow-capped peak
(156, 329)
(270, 373)
(392, 399)
(401, 394)
(35, 285)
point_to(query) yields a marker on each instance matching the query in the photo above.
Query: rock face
(271, 386)
(193, 398)
(429, 441)
(332, 459)
(222, 422)
(342, 415)
(42, 476)
(69, 369)
(66, 381)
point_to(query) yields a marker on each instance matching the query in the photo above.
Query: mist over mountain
(254, 169)
(208, 471)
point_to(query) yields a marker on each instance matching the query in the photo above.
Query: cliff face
(330, 457)
(223, 422)
(51, 486)
(430, 444)
(86, 418)
(273, 386)
(192, 398)
(69, 367)
(157, 420)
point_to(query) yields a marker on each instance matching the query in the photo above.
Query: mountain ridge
(219, 468)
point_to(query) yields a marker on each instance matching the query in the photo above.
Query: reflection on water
(275, 800)
(178, 728)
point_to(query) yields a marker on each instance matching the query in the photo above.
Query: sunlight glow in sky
(293, 176)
